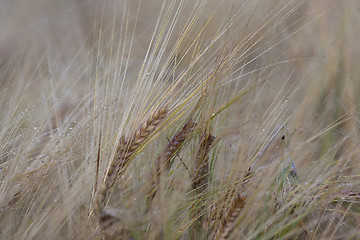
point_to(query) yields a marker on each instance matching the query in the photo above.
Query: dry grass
(175, 119)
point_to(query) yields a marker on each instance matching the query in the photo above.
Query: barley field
(180, 119)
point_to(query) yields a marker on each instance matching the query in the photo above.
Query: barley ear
(200, 182)
(125, 151)
(228, 223)
(200, 178)
(164, 161)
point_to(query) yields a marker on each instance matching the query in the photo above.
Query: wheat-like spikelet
(200, 177)
(165, 159)
(228, 222)
(217, 207)
(125, 150)
(176, 143)
(200, 182)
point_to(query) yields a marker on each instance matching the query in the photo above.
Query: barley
(228, 223)
(125, 150)
(165, 159)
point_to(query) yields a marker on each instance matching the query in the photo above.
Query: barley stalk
(216, 209)
(176, 143)
(200, 182)
(228, 223)
(200, 178)
(125, 150)
(165, 159)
